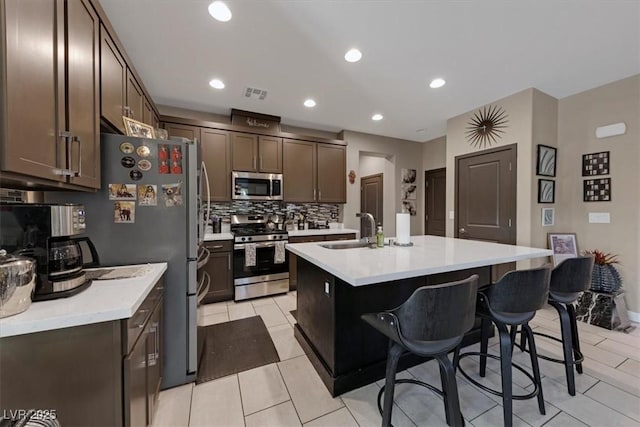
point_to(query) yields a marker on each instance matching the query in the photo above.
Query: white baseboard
(634, 316)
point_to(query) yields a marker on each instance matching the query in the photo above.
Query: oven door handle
(260, 245)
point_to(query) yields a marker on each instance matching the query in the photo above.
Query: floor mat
(294, 313)
(232, 347)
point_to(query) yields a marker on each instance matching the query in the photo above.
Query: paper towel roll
(403, 228)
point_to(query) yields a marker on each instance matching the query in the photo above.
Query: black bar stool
(430, 323)
(511, 301)
(568, 279)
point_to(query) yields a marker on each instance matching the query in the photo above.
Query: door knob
(462, 231)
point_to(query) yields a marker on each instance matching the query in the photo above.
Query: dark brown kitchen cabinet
(314, 172)
(216, 155)
(184, 131)
(134, 108)
(49, 93)
(135, 373)
(331, 173)
(148, 113)
(253, 153)
(220, 269)
(299, 171)
(113, 81)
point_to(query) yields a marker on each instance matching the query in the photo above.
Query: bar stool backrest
(439, 312)
(520, 291)
(572, 275)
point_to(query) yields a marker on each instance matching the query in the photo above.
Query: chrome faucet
(371, 236)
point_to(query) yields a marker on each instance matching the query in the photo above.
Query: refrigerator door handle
(192, 334)
(206, 179)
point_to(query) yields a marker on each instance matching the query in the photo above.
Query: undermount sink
(347, 245)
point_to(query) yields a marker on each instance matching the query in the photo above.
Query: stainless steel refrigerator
(149, 210)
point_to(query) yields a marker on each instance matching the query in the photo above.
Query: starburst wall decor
(486, 125)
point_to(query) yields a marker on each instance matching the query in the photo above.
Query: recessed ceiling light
(353, 55)
(309, 103)
(436, 83)
(216, 84)
(220, 11)
(377, 117)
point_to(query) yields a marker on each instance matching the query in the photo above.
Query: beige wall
(401, 154)
(578, 117)
(434, 154)
(519, 108)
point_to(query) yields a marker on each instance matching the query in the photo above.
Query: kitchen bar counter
(428, 255)
(336, 286)
(321, 232)
(103, 301)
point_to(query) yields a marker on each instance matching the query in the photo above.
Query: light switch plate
(451, 215)
(599, 218)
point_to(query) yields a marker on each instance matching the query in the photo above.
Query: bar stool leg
(567, 347)
(485, 328)
(577, 354)
(456, 357)
(526, 330)
(505, 365)
(450, 390)
(393, 355)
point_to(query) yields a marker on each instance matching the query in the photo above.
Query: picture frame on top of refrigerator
(139, 129)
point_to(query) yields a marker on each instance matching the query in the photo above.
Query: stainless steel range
(260, 264)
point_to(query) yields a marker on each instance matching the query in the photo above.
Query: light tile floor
(290, 393)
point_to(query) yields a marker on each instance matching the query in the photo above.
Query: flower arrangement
(605, 278)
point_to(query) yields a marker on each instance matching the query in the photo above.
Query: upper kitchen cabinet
(253, 153)
(314, 172)
(135, 99)
(183, 131)
(299, 171)
(113, 81)
(331, 173)
(49, 108)
(216, 155)
(149, 115)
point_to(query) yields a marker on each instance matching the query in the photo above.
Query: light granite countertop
(103, 301)
(428, 255)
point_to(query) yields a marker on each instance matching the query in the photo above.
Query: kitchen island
(336, 286)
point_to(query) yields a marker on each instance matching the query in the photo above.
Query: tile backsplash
(311, 211)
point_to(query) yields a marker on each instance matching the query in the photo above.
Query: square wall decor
(597, 190)
(595, 164)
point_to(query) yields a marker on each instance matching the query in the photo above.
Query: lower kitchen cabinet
(293, 268)
(105, 373)
(220, 269)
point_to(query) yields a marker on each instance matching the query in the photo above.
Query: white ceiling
(294, 49)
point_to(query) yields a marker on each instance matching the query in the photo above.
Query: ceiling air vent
(255, 93)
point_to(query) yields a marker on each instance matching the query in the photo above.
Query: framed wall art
(546, 191)
(563, 245)
(546, 161)
(548, 217)
(597, 190)
(139, 129)
(595, 164)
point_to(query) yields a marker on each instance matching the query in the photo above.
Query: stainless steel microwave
(256, 186)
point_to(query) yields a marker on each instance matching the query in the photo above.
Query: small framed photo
(139, 129)
(563, 245)
(548, 217)
(546, 191)
(546, 165)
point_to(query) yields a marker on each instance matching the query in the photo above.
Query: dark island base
(343, 349)
(367, 375)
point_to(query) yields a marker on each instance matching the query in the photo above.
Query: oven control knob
(243, 239)
(249, 238)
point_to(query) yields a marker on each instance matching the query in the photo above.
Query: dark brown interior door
(436, 199)
(486, 195)
(371, 198)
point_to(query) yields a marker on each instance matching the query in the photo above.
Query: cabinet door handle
(76, 139)
(319, 195)
(216, 247)
(229, 262)
(127, 110)
(254, 163)
(64, 135)
(314, 194)
(260, 162)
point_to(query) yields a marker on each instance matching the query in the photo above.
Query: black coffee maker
(48, 234)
